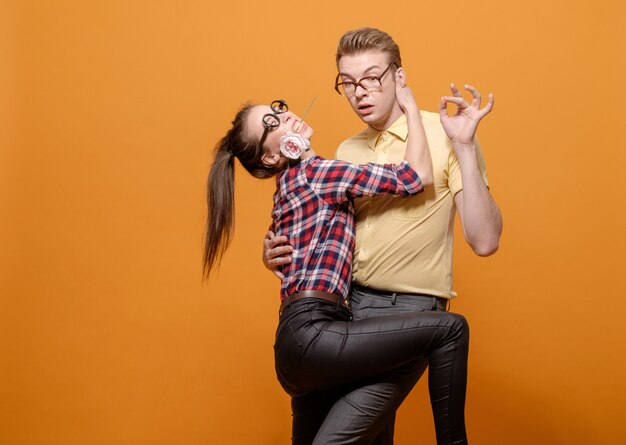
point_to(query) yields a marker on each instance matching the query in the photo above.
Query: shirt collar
(398, 128)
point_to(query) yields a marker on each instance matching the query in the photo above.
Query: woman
(318, 347)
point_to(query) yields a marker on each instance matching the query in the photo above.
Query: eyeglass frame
(358, 83)
(269, 125)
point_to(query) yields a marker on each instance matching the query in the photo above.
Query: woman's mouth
(299, 127)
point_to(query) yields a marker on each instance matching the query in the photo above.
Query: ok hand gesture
(461, 127)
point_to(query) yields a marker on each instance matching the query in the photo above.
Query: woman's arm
(417, 151)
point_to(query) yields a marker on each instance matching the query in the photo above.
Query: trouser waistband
(370, 290)
(320, 295)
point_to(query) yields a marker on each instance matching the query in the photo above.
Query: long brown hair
(221, 186)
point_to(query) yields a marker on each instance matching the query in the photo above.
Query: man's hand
(461, 127)
(276, 252)
(480, 216)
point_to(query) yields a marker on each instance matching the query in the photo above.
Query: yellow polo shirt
(405, 245)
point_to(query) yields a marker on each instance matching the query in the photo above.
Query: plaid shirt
(313, 208)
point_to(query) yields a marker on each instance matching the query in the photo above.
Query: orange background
(109, 112)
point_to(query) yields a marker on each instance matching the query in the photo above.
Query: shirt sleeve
(339, 181)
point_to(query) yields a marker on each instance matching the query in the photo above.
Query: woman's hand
(404, 96)
(461, 127)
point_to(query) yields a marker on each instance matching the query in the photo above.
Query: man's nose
(360, 91)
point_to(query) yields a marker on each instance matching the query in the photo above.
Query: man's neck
(394, 115)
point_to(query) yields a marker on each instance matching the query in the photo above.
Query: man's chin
(370, 120)
(367, 118)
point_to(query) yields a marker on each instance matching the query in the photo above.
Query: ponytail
(221, 186)
(221, 207)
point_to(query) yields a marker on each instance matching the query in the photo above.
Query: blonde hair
(368, 39)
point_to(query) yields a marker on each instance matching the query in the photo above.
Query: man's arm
(276, 252)
(480, 216)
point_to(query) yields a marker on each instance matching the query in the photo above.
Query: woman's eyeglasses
(271, 121)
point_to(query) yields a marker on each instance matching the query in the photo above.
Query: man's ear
(270, 160)
(401, 76)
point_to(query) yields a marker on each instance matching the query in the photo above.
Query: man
(403, 253)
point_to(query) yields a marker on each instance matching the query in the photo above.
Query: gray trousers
(365, 414)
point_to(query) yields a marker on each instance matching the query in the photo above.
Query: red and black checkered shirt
(313, 208)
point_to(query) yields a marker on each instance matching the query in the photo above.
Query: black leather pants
(319, 349)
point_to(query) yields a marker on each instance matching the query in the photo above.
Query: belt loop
(435, 304)
(393, 298)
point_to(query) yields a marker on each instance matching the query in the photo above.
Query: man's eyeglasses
(271, 121)
(370, 83)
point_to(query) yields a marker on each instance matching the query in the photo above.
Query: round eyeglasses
(369, 83)
(271, 121)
